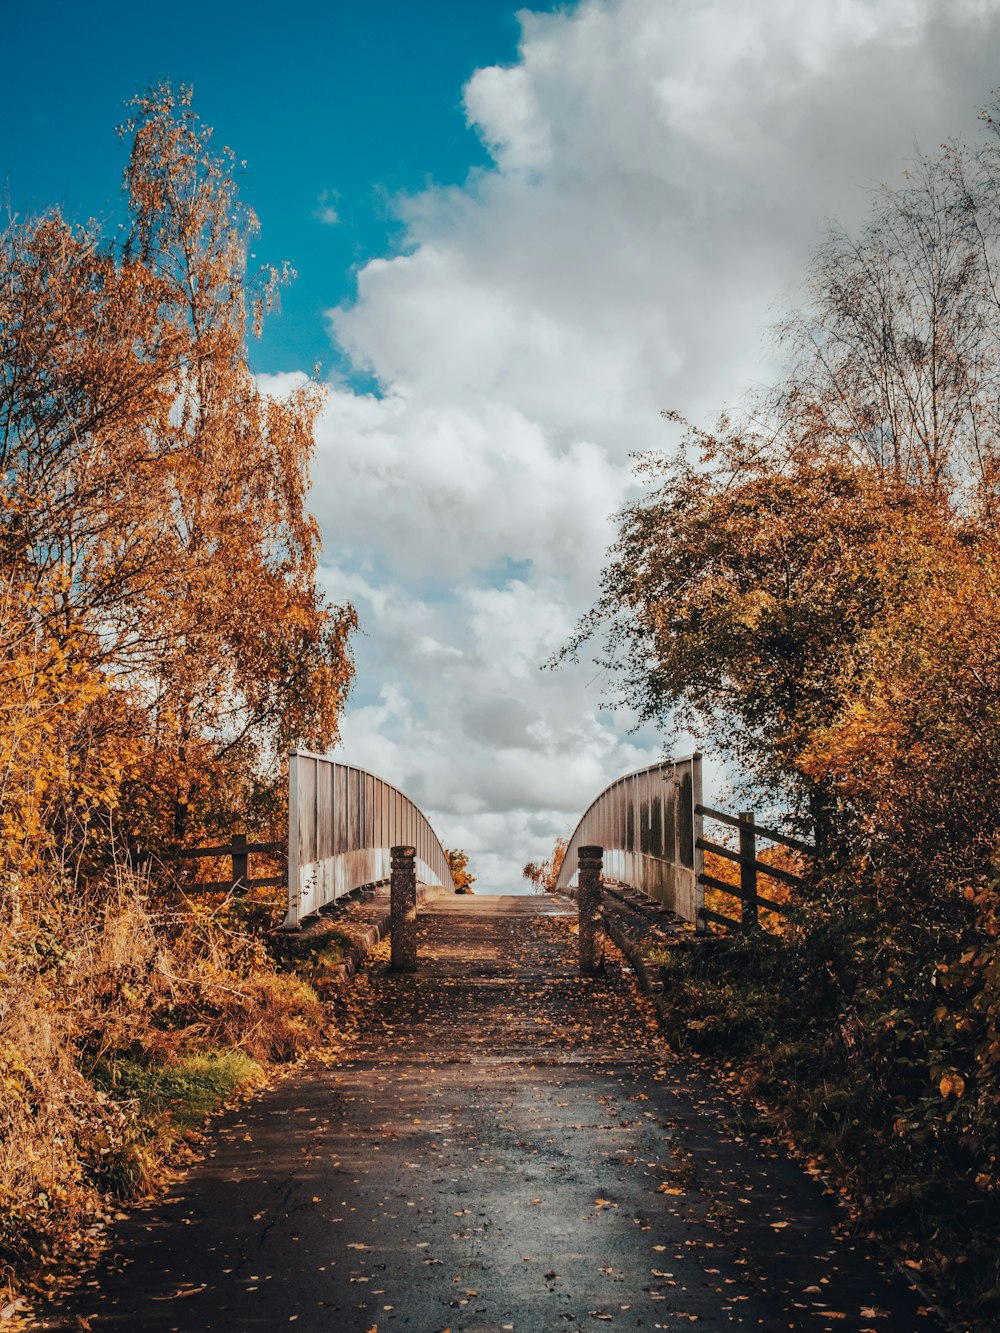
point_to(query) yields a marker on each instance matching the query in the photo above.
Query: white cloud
(661, 171)
(326, 209)
(502, 104)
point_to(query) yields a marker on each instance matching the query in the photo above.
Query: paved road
(503, 1145)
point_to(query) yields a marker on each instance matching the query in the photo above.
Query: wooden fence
(751, 867)
(239, 850)
(343, 823)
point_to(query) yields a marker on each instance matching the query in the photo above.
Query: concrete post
(403, 909)
(590, 900)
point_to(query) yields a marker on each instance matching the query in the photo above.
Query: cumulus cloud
(660, 173)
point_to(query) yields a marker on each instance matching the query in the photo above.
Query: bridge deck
(502, 1145)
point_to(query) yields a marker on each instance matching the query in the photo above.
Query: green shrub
(874, 1038)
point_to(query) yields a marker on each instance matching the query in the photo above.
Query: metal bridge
(342, 823)
(649, 825)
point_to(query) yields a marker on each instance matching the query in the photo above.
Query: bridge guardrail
(649, 825)
(342, 822)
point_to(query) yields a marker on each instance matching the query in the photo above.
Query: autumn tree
(544, 875)
(782, 587)
(158, 556)
(534, 873)
(254, 661)
(458, 863)
(896, 350)
(814, 589)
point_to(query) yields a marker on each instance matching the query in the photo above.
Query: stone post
(403, 909)
(590, 900)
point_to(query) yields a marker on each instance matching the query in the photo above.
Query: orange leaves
(545, 874)
(458, 863)
(152, 511)
(951, 1085)
(45, 696)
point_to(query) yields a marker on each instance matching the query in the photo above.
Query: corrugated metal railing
(342, 822)
(649, 824)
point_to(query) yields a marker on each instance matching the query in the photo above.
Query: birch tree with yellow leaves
(163, 640)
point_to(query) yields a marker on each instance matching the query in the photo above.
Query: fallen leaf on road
(181, 1293)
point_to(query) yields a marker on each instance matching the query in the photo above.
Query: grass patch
(124, 1023)
(161, 1102)
(179, 1094)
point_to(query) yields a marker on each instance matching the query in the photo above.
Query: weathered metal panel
(342, 822)
(356, 814)
(648, 825)
(339, 809)
(371, 784)
(324, 812)
(307, 806)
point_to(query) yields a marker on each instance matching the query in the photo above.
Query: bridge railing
(342, 822)
(650, 825)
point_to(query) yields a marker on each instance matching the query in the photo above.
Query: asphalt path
(500, 1145)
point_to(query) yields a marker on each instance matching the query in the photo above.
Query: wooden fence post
(241, 863)
(748, 869)
(403, 909)
(590, 902)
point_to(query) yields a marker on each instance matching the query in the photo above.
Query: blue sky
(355, 103)
(551, 225)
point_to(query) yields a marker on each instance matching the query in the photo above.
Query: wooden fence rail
(751, 900)
(239, 850)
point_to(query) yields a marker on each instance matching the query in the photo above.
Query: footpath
(501, 1144)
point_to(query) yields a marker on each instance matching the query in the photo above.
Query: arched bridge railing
(649, 824)
(342, 821)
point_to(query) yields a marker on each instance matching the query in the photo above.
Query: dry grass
(123, 1023)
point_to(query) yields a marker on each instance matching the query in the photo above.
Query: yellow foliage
(952, 1085)
(163, 642)
(162, 638)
